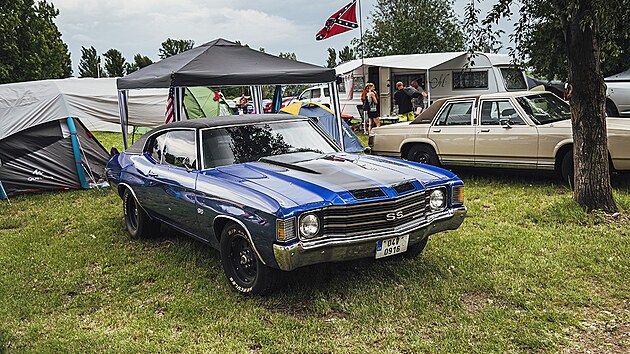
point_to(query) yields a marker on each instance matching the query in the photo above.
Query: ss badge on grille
(394, 215)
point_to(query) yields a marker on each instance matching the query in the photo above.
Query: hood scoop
(367, 193)
(404, 187)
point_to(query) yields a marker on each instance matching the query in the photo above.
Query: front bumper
(303, 253)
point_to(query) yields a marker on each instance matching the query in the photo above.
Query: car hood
(338, 178)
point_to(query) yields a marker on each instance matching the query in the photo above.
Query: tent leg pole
(77, 153)
(124, 117)
(334, 95)
(3, 194)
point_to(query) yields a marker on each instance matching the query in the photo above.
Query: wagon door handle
(437, 130)
(485, 130)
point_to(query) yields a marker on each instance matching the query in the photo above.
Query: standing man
(403, 100)
(418, 102)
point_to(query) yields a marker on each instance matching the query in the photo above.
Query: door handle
(152, 174)
(485, 130)
(437, 130)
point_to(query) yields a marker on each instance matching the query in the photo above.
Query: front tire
(139, 224)
(423, 154)
(243, 269)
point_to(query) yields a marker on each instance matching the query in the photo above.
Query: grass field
(528, 271)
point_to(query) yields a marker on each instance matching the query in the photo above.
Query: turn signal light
(458, 195)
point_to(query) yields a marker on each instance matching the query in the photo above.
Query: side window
(175, 148)
(470, 79)
(493, 111)
(316, 93)
(305, 95)
(326, 92)
(456, 113)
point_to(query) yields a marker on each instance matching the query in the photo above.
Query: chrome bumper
(304, 253)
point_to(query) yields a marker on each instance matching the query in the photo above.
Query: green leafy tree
(346, 54)
(139, 62)
(172, 47)
(411, 27)
(115, 63)
(90, 63)
(332, 58)
(31, 47)
(583, 24)
(288, 55)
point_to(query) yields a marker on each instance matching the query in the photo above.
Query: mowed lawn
(528, 271)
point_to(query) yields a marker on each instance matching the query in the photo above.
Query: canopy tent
(201, 102)
(223, 63)
(94, 101)
(326, 120)
(622, 76)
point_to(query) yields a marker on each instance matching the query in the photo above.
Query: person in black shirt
(403, 99)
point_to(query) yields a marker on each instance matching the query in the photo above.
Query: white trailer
(440, 74)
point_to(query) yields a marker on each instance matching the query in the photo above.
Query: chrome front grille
(367, 218)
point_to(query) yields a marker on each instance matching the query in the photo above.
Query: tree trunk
(592, 188)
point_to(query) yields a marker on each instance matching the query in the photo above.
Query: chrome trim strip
(246, 231)
(374, 212)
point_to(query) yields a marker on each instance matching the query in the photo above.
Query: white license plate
(391, 246)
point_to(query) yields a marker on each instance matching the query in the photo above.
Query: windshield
(545, 108)
(247, 143)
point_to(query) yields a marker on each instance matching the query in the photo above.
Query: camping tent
(201, 102)
(326, 120)
(54, 155)
(94, 101)
(224, 63)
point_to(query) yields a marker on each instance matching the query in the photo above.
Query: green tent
(199, 103)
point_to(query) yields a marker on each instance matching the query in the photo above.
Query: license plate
(391, 246)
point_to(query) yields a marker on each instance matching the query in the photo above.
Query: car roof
(213, 122)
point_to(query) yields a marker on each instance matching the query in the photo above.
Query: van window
(455, 113)
(316, 93)
(306, 95)
(326, 92)
(470, 79)
(513, 79)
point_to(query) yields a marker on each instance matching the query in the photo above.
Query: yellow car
(516, 130)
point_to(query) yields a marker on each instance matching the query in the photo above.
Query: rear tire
(139, 224)
(423, 154)
(566, 168)
(243, 269)
(416, 249)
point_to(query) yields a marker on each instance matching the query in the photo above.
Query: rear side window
(456, 113)
(513, 79)
(493, 111)
(470, 79)
(176, 148)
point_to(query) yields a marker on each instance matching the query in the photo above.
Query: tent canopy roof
(424, 61)
(224, 63)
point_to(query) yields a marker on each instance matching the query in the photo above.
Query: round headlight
(309, 225)
(437, 200)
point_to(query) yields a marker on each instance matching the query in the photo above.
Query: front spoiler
(300, 254)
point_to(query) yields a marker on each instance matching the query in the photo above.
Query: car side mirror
(505, 123)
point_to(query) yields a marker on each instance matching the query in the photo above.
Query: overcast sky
(140, 26)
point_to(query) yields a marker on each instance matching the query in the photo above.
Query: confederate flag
(341, 21)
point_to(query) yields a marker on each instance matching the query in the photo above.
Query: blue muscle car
(274, 193)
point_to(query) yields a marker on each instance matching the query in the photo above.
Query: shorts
(373, 114)
(409, 116)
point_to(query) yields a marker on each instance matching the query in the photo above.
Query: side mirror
(505, 123)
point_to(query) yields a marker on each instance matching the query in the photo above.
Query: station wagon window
(470, 79)
(455, 113)
(493, 111)
(513, 79)
(247, 143)
(176, 148)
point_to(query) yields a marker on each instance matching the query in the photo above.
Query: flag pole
(365, 122)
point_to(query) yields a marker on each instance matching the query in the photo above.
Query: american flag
(170, 111)
(339, 22)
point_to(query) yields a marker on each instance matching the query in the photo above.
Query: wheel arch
(561, 150)
(610, 104)
(407, 144)
(221, 221)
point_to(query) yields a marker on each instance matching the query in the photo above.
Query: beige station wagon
(517, 130)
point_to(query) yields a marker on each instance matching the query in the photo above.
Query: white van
(321, 94)
(440, 74)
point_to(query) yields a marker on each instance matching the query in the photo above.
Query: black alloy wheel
(423, 154)
(243, 269)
